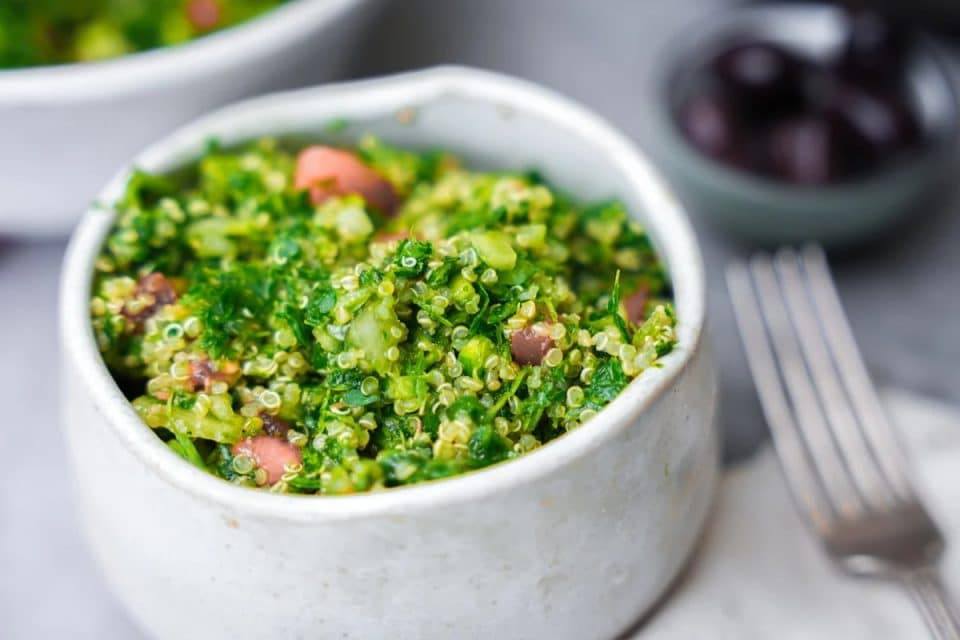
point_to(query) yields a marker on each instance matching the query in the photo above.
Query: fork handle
(930, 594)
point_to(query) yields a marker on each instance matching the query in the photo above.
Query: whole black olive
(876, 50)
(708, 120)
(885, 122)
(805, 150)
(764, 78)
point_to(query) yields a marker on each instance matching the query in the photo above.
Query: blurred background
(901, 287)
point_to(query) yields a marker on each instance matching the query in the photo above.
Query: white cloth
(760, 573)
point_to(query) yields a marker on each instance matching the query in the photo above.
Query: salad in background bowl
(67, 127)
(44, 33)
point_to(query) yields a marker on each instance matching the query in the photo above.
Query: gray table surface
(902, 294)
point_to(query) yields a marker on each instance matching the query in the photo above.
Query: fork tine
(929, 592)
(880, 435)
(790, 449)
(810, 419)
(841, 420)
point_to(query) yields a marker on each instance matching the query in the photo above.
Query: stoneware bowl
(575, 540)
(66, 129)
(766, 211)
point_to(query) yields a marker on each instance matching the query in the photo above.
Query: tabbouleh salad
(335, 321)
(40, 32)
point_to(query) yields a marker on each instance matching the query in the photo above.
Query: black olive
(876, 50)
(708, 120)
(805, 150)
(885, 122)
(764, 78)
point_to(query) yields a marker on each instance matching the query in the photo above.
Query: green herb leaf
(356, 398)
(613, 308)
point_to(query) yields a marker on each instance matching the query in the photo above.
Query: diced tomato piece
(203, 14)
(327, 172)
(269, 453)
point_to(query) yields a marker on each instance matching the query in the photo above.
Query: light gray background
(903, 294)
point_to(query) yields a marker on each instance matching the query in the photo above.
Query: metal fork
(840, 456)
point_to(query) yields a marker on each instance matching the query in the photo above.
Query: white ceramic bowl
(68, 128)
(575, 540)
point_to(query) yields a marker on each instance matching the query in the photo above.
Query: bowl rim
(183, 63)
(713, 27)
(672, 231)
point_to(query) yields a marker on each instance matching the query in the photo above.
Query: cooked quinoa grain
(334, 321)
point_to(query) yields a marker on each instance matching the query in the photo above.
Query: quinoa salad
(323, 320)
(41, 32)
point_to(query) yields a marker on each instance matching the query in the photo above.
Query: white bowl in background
(67, 128)
(574, 540)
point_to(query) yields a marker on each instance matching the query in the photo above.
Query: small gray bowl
(765, 211)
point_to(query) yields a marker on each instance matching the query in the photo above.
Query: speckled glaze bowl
(575, 540)
(67, 128)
